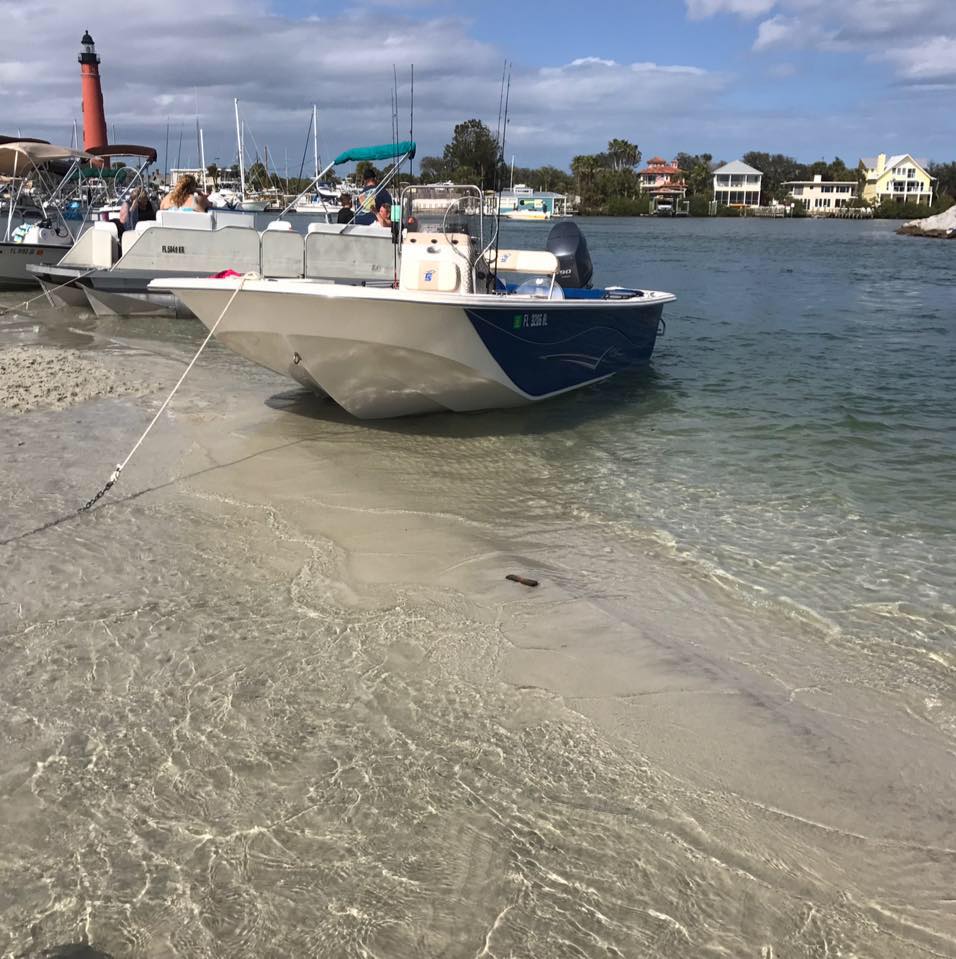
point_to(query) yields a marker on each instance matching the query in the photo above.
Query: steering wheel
(125, 181)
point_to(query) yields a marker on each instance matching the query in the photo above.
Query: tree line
(607, 183)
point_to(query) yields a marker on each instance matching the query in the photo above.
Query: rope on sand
(121, 466)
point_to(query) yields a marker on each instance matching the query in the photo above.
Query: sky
(810, 78)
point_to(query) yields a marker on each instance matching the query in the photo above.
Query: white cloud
(701, 9)
(932, 61)
(777, 31)
(916, 36)
(609, 99)
(583, 61)
(279, 65)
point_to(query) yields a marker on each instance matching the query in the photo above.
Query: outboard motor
(41, 234)
(567, 243)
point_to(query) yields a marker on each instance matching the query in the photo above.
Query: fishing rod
(499, 163)
(394, 104)
(411, 122)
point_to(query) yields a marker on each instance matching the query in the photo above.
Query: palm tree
(624, 154)
(584, 167)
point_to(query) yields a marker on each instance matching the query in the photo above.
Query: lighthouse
(94, 120)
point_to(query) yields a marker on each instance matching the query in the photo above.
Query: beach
(274, 695)
(54, 378)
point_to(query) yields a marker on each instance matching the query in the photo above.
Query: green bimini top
(384, 151)
(102, 173)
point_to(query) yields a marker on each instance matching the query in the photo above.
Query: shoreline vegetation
(608, 183)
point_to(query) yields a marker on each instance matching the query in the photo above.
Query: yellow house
(899, 178)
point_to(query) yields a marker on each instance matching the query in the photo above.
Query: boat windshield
(444, 208)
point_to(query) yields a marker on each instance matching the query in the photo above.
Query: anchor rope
(121, 466)
(46, 293)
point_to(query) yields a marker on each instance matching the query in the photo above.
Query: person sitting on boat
(372, 197)
(383, 213)
(346, 213)
(185, 196)
(137, 207)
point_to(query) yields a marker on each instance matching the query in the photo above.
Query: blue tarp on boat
(384, 151)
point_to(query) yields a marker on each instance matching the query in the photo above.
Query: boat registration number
(522, 320)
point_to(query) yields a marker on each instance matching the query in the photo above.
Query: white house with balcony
(899, 178)
(737, 184)
(821, 197)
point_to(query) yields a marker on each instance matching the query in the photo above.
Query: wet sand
(49, 377)
(275, 697)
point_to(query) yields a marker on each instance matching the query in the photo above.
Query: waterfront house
(737, 184)
(900, 178)
(821, 197)
(662, 179)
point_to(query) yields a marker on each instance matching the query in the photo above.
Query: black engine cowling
(567, 243)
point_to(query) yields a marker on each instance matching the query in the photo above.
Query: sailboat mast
(242, 169)
(202, 162)
(315, 139)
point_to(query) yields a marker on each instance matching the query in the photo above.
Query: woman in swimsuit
(185, 195)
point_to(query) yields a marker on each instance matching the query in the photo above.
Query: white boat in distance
(450, 335)
(45, 241)
(111, 273)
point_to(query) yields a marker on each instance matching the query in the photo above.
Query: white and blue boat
(447, 331)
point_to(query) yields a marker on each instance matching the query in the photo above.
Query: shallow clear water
(796, 436)
(274, 697)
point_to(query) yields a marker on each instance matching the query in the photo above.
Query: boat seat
(281, 253)
(103, 245)
(106, 226)
(350, 229)
(436, 263)
(186, 219)
(524, 261)
(434, 276)
(327, 228)
(279, 226)
(129, 237)
(333, 252)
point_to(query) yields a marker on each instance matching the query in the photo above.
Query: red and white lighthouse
(94, 119)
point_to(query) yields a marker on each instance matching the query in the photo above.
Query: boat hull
(105, 302)
(61, 284)
(380, 355)
(108, 292)
(528, 216)
(119, 292)
(14, 258)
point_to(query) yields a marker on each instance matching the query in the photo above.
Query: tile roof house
(660, 178)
